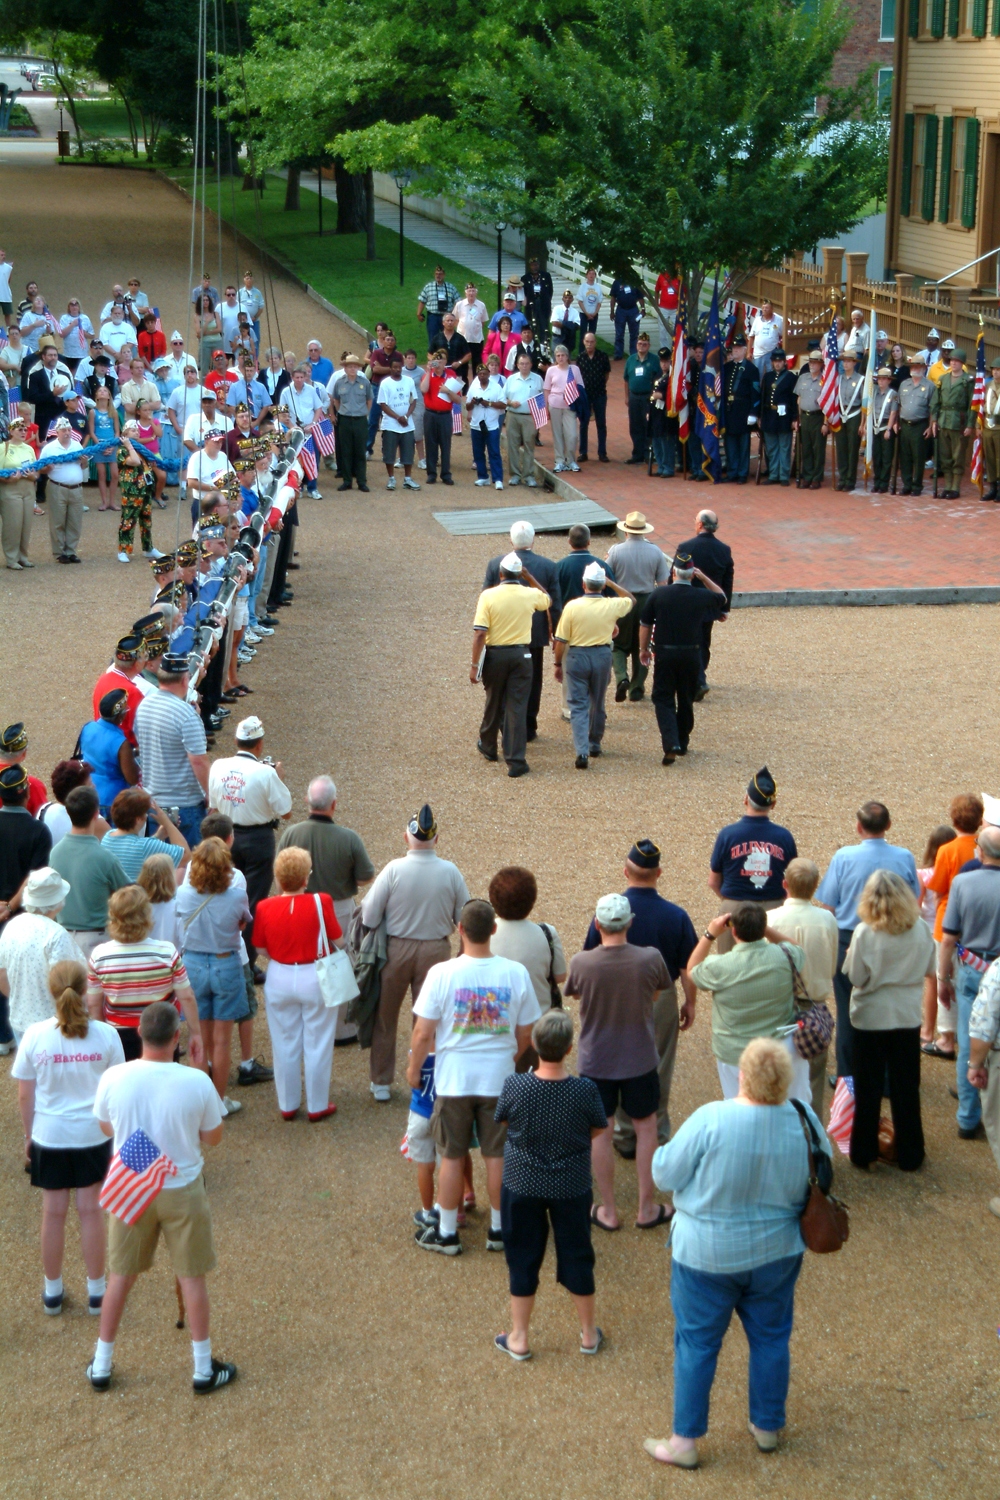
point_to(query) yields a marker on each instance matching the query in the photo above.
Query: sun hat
(635, 524)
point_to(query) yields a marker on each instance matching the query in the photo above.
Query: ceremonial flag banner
(456, 419)
(324, 437)
(978, 406)
(829, 396)
(307, 458)
(135, 1176)
(572, 391)
(867, 413)
(539, 411)
(706, 419)
(677, 402)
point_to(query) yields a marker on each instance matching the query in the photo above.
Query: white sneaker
(559, 468)
(398, 464)
(252, 638)
(316, 494)
(422, 463)
(124, 557)
(574, 468)
(391, 483)
(480, 483)
(154, 553)
(410, 484)
(513, 480)
(381, 1092)
(6, 1048)
(231, 1106)
(260, 630)
(498, 485)
(532, 484)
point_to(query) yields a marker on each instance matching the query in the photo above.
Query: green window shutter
(970, 173)
(913, 17)
(953, 8)
(906, 184)
(996, 18)
(937, 17)
(930, 166)
(977, 25)
(944, 195)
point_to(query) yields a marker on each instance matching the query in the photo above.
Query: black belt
(67, 486)
(253, 827)
(914, 421)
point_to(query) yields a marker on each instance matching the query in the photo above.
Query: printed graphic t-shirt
(751, 857)
(478, 1004)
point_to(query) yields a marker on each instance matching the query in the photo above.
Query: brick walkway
(803, 538)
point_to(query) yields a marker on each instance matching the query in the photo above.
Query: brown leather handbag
(824, 1222)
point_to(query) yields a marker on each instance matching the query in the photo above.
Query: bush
(172, 151)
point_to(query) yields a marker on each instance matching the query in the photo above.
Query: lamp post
(500, 226)
(402, 177)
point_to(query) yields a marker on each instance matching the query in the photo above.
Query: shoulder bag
(334, 973)
(813, 1025)
(555, 993)
(824, 1222)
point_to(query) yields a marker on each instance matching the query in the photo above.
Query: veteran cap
(129, 648)
(763, 790)
(14, 738)
(422, 826)
(644, 855)
(13, 779)
(175, 661)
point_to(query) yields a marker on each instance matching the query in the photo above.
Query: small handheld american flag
(307, 458)
(324, 436)
(539, 411)
(829, 395)
(135, 1176)
(841, 1120)
(456, 418)
(572, 391)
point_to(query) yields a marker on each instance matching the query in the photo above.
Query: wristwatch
(709, 935)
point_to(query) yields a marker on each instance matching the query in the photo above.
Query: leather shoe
(668, 758)
(699, 695)
(602, 458)
(342, 487)
(623, 1151)
(449, 480)
(484, 752)
(582, 762)
(977, 1132)
(518, 770)
(621, 691)
(363, 488)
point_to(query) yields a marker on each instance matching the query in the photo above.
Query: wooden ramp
(558, 517)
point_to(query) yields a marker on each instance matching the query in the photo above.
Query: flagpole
(867, 395)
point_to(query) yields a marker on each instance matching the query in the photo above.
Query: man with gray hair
(546, 575)
(715, 560)
(583, 638)
(971, 931)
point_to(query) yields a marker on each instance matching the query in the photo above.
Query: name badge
(640, 369)
(781, 410)
(626, 289)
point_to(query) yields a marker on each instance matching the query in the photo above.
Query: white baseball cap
(511, 563)
(250, 729)
(613, 912)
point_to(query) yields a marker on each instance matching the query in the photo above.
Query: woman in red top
(286, 928)
(504, 342)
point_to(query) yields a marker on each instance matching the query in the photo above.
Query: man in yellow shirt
(583, 637)
(502, 628)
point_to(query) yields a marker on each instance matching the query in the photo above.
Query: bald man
(715, 560)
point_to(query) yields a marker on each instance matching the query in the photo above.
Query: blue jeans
(219, 986)
(970, 1107)
(665, 453)
(588, 670)
(626, 317)
(703, 1303)
(189, 822)
(435, 325)
(487, 445)
(374, 417)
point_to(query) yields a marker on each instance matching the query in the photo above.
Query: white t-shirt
(591, 297)
(170, 1103)
(478, 1003)
(77, 333)
(6, 266)
(394, 397)
(472, 316)
(494, 390)
(67, 1072)
(207, 470)
(247, 791)
(69, 473)
(167, 926)
(766, 333)
(198, 424)
(185, 402)
(56, 819)
(230, 317)
(114, 335)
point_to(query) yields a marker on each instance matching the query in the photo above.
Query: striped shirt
(752, 993)
(133, 975)
(168, 730)
(132, 850)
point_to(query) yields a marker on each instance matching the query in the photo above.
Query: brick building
(870, 41)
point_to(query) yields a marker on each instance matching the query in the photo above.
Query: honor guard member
(740, 408)
(638, 565)
(13, 749)
(502, 628)
(641, 370)
(812, 447)
(778, 411)
(951, 412)
(991, 434)
(130, 658)
(670, 627)
(420, 899)
(885, 415)
(583, 643)
(546, 574)
(749, 858)
(847, 439)
(715, 560)
(152, 630)
(915, 426)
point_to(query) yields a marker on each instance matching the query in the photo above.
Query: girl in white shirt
(158, 878)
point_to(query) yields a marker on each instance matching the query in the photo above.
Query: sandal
(241, 690)
(593, 1348)
(500, 1342)
(608, 1228)
(664, 1214)
(686, 1460)
(931, 1049)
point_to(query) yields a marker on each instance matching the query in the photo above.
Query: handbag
(555, 993)
(813, 1025)
(334, 971)
(824, 1220)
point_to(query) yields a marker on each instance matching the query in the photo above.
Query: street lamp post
(500, 226)
(402, 177)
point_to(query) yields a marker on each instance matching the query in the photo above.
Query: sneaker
(391, 483)
(480, 483)
(431, 1238)
(154, 553)
(94, 1305)
(398, 464)
(252, 638)
(425, 1217)
(422, 463)
(532, 484)
(559, 469)
(99, 1382)
(574, 468)
(410, 483)
(6, 1048)
(380, 1092)
(261, 630)
(513, 480)
(494, 1239)
(231, 1106)
(317, 495)
(256, 1073)
(52, 1306)
(498, 485)
(222, 1374)
(124, 557)
(244, 656)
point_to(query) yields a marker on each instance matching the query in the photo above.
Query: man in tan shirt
(813, 929)
(502, 628)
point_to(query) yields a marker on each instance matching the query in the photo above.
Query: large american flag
(135, 1176)
(539, 411)
(677, 402)
(841, 1120)
(978, 406)
(829, 396)
(307, 458)
(324, 436)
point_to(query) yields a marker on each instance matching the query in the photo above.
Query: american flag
(135, 1176)
(841, 1120)
(324, 436)
(572, 391)
(539, 411)
(307, 458)
(456, 418)
(677, 402)
(978, 406)
(829, 396)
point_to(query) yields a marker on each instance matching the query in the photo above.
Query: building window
(884, 89)
(887, 27)
(906, 175)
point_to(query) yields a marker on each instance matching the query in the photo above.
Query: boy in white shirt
(397, 399)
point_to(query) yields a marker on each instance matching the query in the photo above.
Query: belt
(986, 957)
(914, 421)
(252, 827)
(224, 955)
(516, 646)
(67, 486)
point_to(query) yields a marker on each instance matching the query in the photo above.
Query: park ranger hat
(763, 789)
(14, 738)
(613, 912)
(422, 826)
(815, 357)
(850, 354)
(884, 373)
(351, 359)
(918, 360)
(644, 854)
(250, 729)
(635, 524)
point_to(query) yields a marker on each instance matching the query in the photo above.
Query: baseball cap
(511, 563)
(613, 912)
(250, 729)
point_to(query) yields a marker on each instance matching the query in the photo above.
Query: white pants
(302, 1031)
(344, 911)
(729, 1077)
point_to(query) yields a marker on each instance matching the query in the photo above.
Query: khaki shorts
(452, 1122)
(185, 1218)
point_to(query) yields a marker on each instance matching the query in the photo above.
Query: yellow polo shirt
(505, 612)
(590, 619)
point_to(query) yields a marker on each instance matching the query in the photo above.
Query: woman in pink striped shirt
(565, 428)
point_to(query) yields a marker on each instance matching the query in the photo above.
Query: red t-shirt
(151, 345)
(287, 927)
(667, 291)
(218, 381)
(37, 795)
(107, 683)
(432, 400)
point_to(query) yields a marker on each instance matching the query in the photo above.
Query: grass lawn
(102, 117)
(335, 265)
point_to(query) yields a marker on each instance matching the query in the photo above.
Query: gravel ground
(352, 1346)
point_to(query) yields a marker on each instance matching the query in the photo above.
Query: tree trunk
(534, 246)
(292, 189)
(351, 199)
(370, 213)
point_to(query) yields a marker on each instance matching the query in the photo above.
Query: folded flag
(135, 1176)
(841, 1120)
(456, 419)
(307, 458)
(539, 411)
(324, 437)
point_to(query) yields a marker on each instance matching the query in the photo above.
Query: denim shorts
(219, 986)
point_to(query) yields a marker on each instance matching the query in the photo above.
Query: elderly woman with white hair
(565, 427)
(739, 1173)
(31, 944)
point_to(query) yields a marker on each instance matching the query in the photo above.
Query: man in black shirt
(673, 617)
(538, 299)
(24, 846)
(455, 346)
(546, 575)
(595, 367)
(779, 409)
(716, 559)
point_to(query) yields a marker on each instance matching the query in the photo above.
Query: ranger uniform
(812, 449)
(914, 426)
(847, 439)
(951, 409)
(885, 405)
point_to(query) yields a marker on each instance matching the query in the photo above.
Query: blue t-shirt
(850, 868)
(422, 1099)
(656, 923)
(751, 856)
(100, 743)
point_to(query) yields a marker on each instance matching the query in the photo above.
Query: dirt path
(366, 1367)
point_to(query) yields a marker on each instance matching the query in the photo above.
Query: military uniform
(951, 409)
(778, 410)
(991, 436)
(847, 438)
(812, 448)
(884, 404)
(914, 419)
(741, 403)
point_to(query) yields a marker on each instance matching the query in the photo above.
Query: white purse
(334, 972)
